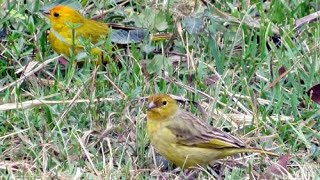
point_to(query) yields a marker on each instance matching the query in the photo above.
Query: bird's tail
(261, 151)
(233, 151)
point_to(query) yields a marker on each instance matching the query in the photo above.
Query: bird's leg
(190, 173)
(62, 60)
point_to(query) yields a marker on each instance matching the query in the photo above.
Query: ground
(243, 66)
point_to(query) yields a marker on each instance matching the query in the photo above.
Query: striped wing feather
(192, 131)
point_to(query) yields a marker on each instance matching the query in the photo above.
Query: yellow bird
(184, 139)
(68, 25)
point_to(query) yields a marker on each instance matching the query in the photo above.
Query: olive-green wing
(94, 30)
(191, 131)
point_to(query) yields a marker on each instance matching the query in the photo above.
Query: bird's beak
(151, 105)
(45, 11)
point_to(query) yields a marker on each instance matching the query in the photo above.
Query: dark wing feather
(192, 131)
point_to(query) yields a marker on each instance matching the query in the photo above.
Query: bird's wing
(94, 30)
(65, 39)
(191, 131)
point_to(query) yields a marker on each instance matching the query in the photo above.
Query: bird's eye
(56, 14)
(164, 103)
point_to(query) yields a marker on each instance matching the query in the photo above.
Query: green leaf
(215, 52)
(193, 25)
(160, 22)
(146, 19)
(156, 64)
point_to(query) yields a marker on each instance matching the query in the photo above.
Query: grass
(68, 122)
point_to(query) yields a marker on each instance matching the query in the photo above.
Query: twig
(306, 19)
(42, 65)
(88, 157)
(116, 87)
(33, 103)
(106, 11)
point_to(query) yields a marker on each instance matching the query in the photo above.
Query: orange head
(160, 107)
(60, 15)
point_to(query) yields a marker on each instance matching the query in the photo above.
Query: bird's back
(94, 30)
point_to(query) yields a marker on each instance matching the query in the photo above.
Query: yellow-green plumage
(184, 139)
